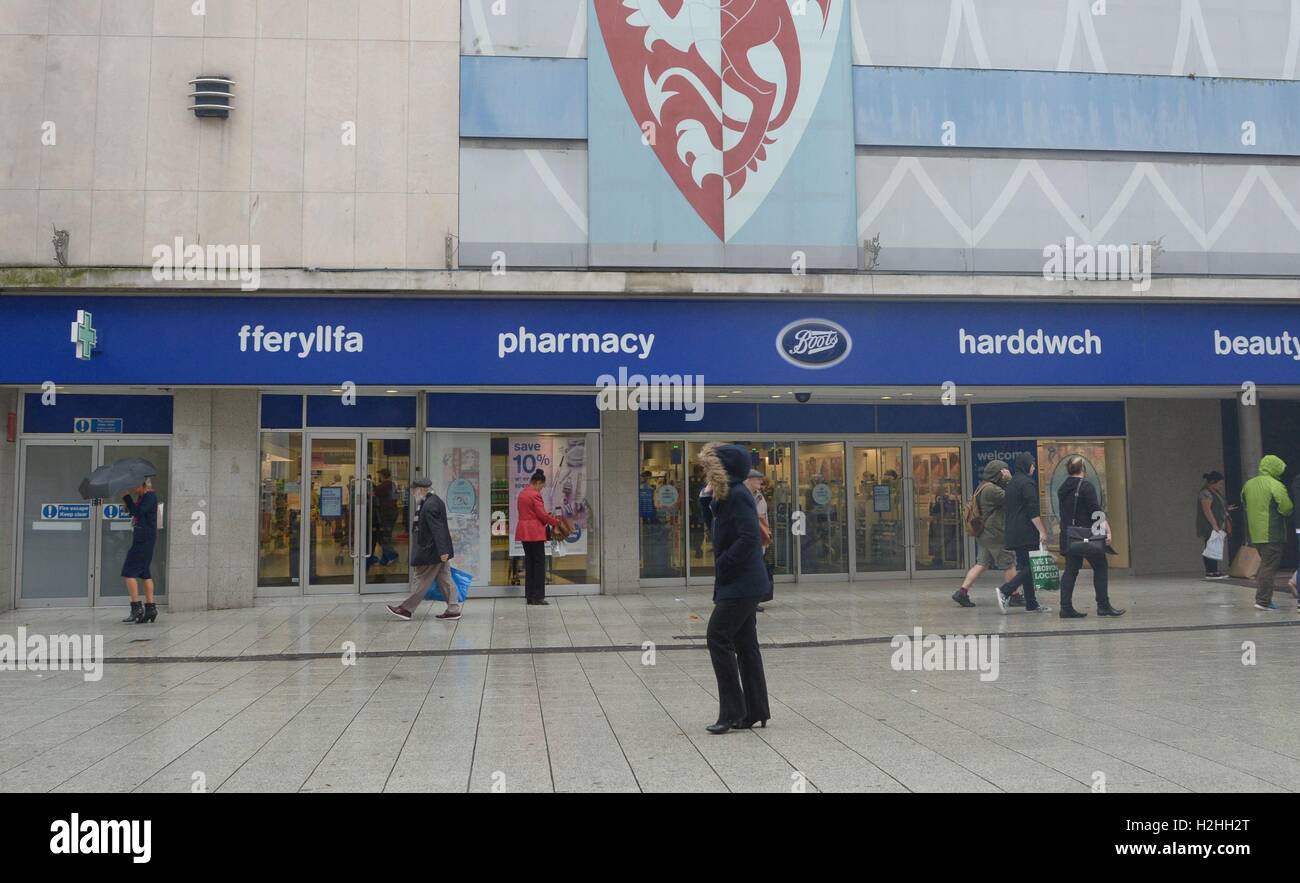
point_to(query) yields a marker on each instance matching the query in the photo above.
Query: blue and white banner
(537, 342)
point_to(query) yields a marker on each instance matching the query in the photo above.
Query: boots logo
(814, 343)
(727, 89)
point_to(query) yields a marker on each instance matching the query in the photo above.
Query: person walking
(431, 557)
(144, 534)
(1078, 497)
(740, 581)
(755, 484)
(990, 502)
(1024, 533)
(530, 531)
(1267, 505)
(1211, 516)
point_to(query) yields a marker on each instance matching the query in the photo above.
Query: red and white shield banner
(723, 90)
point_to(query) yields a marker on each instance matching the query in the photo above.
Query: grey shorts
(995, 556)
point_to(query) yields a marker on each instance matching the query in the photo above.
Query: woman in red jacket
(530, 530)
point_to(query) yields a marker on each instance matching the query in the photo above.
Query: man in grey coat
(431, 555)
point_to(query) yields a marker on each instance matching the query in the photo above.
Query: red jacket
(533, 517)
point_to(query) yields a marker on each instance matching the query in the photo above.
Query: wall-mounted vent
(212, 96)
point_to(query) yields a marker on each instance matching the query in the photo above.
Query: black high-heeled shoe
(149, 614)
(137, 610)
(748, 723)
(723, 727)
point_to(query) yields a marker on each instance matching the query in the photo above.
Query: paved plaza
(1171, 697)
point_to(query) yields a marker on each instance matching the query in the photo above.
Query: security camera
(803, 397)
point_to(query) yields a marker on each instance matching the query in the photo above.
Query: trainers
(1002, 600)
(1216, 576)
(400, 612)
(447, 615)
(1041, 608)
(1269, 606)
(1016, 600)
(962, 597)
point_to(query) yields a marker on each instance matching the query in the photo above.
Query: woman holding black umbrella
(144, 533)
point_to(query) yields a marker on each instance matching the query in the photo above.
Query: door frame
(94, 575)
(360, 512)
(98, 515)
(367, 436)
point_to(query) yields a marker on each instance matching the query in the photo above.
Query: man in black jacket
(1080, 506)
(1024, 532)
(431, 555)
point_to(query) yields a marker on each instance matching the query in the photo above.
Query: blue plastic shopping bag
(462, 581)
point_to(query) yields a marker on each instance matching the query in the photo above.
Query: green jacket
(1267, 503)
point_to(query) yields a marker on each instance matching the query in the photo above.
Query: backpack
(971, 516)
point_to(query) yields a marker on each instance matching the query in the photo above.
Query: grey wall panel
(538, 28)
(997, 214)
(1228, 38)
(528, 202)
(1163, 488)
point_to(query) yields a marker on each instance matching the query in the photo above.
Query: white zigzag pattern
(1191, 20)
(1030, 168)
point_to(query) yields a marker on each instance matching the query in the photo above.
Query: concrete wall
(1171, 444)
(130, 167)
(620, 457)
(8, 500)
(214, 471)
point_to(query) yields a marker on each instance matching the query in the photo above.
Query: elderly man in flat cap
(431, 557)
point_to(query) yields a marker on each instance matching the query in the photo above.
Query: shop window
(280, 509)
(480, 475)
(1106, 467)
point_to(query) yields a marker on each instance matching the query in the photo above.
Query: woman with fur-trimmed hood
(740, 582)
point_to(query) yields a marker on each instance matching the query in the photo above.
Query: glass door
(880, 524)
(823, 497)
(336, 527)
(385, 558)
(939, 540)
(115, 529)
(57, 535)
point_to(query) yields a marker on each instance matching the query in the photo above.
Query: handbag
(1082, 541)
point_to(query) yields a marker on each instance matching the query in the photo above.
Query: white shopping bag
(1214, 545)
(558, 549)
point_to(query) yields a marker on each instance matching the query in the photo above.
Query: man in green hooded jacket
(1267, 505)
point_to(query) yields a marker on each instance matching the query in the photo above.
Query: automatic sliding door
(385, 554)
(880, 522)
(56, 552)
(115, 529)
(936, 500)
(334, 501)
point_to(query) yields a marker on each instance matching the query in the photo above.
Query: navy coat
(738, 566)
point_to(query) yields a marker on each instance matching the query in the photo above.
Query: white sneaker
(1002, 600)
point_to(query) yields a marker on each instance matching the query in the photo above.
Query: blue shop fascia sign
(212, 340)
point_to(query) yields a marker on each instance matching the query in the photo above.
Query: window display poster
(331, 502)
(984, 452)
(564, 460)
(1052, 457)
(460, 466)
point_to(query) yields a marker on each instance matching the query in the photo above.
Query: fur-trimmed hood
(724, 466)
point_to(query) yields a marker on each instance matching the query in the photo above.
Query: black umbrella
(112, 480)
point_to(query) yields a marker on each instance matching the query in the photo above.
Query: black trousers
(1211, 566)
(1024, 579)
(737, 662)
(534, 570)
(1100, 579)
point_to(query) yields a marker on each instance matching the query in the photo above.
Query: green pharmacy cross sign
(83, 335)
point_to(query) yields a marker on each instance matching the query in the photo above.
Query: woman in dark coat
(740, 582)
(144, 533)
(1077, 501)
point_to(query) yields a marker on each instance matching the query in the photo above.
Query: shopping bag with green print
(1047, 577)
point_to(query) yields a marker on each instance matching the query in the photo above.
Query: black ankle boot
(137, 610)
(150, 613)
